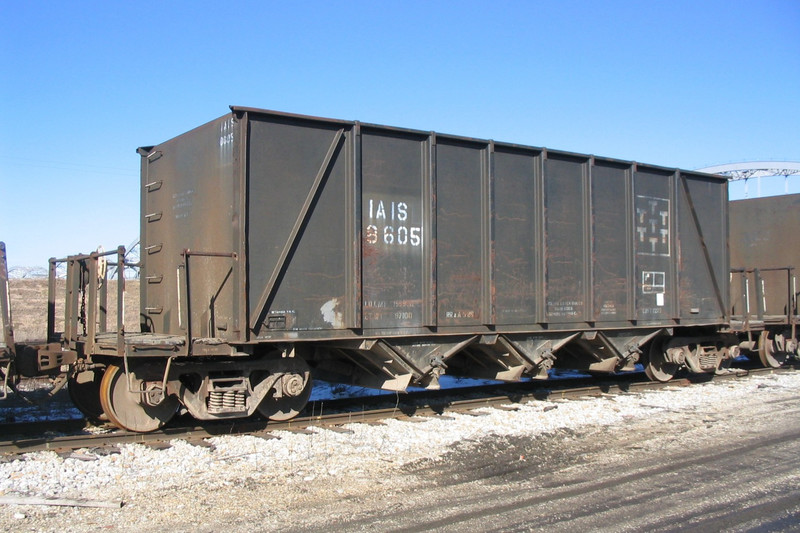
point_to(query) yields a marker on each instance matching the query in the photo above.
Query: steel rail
(413, 407)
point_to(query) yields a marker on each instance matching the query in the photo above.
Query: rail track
(66, 436)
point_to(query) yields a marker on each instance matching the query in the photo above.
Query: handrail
(790, 299)
(86, 298)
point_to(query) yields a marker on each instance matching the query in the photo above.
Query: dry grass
(29, 307)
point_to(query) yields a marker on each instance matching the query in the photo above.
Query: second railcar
(765, 259)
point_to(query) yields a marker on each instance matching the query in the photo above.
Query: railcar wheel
(296, 389)
(658, 368)
(84, 391)
(130, 410)
(772, 349)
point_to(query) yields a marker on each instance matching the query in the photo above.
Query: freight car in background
(277, 245)
(765, 256)
(7, 345)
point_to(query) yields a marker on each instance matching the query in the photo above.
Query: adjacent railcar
(274, 245)
(7, 345)
(765, 257)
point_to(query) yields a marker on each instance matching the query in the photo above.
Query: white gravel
(138, 472)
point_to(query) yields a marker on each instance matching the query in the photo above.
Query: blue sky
(681, 84)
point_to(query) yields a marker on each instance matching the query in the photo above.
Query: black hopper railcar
(274, 246)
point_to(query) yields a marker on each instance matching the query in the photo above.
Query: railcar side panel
(702, 249)
(567, 244)
(518, 235)
(395, 173)
(340, 230)
(612, 208)
(298, 225)
(462, 241)
(654, 237)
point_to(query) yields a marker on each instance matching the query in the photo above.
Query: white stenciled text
(390, 224)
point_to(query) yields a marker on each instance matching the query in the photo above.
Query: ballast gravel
(186, 486)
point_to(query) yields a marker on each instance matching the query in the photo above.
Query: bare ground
(733, 468)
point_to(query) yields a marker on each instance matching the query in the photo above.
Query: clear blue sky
(82, 84)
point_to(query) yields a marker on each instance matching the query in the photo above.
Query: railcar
(765, 256)
(7, 344)
(274, 246)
